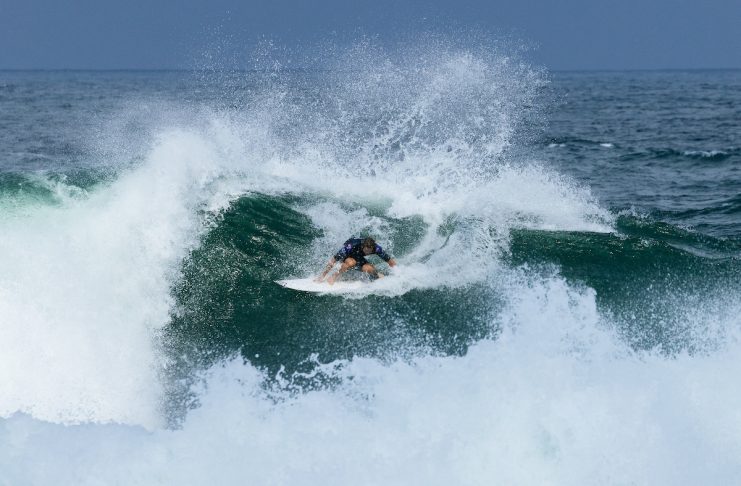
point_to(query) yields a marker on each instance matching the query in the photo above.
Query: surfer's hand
(319, 279)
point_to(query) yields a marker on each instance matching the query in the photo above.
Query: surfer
(352, 255)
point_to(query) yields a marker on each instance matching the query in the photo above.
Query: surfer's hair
(369, 243)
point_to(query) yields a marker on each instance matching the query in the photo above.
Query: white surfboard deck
(341, 287)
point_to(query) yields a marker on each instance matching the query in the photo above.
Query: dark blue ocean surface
(665, 142)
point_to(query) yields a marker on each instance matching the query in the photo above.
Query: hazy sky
(568, 34)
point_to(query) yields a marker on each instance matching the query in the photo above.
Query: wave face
(565, 309)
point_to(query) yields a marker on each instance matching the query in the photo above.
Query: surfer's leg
(371, 270)
(346, 265)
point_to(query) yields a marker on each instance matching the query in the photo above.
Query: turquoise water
(565, 308)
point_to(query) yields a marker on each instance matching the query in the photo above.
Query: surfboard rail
(309, 285)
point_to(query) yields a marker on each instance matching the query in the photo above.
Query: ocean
(565, 308)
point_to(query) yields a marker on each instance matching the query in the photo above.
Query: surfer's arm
(385, 256)
(329, 267)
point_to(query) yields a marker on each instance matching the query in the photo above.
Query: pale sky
(566, 34)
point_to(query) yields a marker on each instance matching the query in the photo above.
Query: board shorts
(359, 262)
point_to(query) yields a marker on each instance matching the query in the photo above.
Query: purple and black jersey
(353, 248)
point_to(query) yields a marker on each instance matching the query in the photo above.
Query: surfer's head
(368, 246)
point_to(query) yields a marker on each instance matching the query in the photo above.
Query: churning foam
(554, 400)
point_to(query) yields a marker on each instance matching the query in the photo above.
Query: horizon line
(186, 70)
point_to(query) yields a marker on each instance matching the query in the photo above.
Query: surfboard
(308, 285)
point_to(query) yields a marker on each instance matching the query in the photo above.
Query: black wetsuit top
(354, 248)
